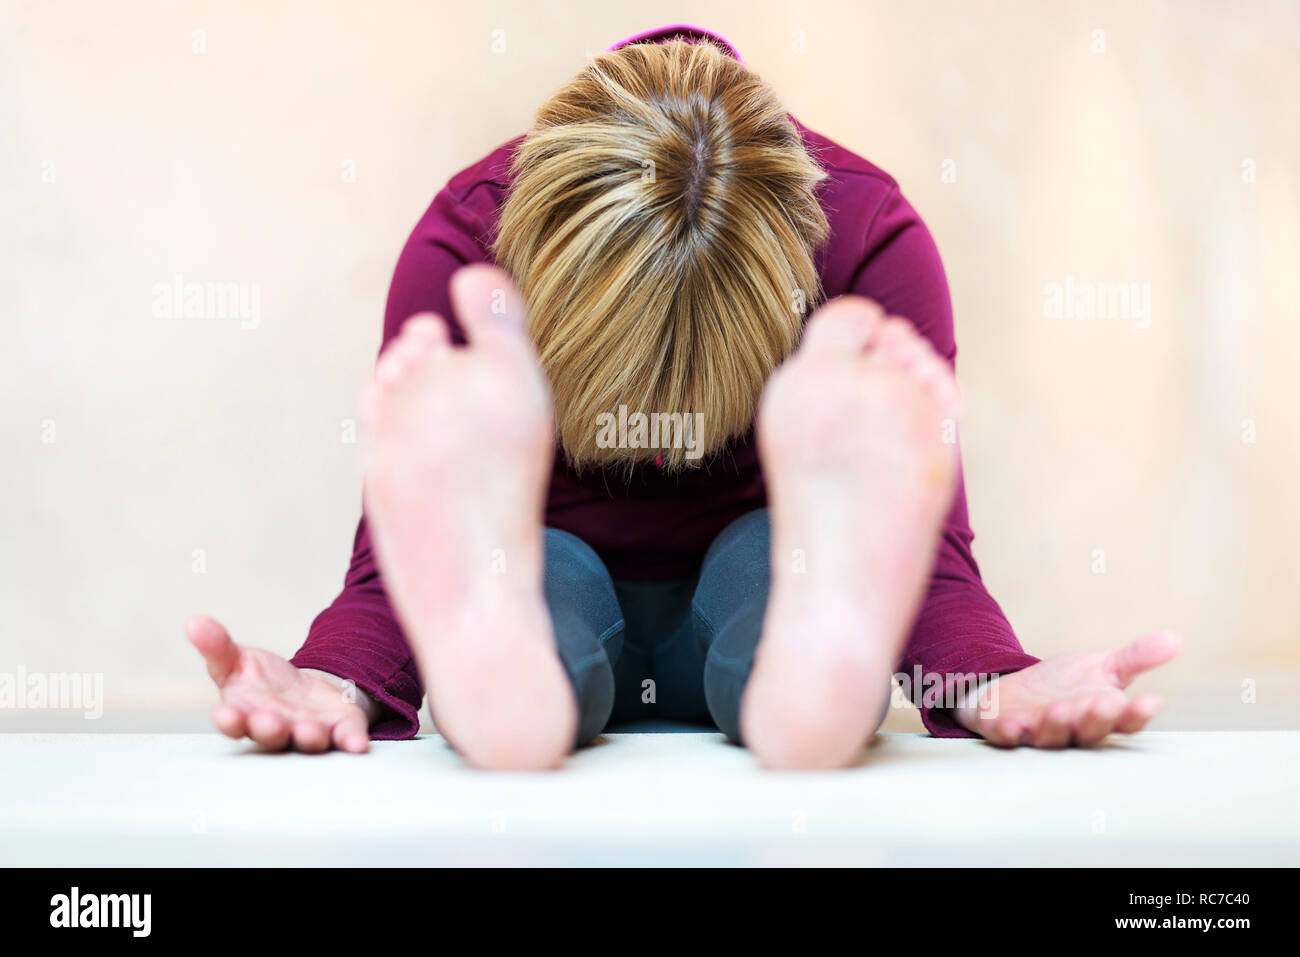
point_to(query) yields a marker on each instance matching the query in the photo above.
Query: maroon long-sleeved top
(658, 525)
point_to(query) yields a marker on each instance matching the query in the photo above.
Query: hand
(1070, 699)
(275, 704)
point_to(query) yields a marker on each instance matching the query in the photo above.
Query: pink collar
(680, 31)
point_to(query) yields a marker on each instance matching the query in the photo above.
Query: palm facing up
(274, 703)
(1070, 699)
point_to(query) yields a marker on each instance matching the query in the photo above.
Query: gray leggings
(678, 649)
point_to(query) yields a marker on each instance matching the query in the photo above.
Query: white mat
(1173, 798)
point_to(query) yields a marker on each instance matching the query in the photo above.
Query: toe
(894, 334)
(910, 353)
(428, 329)
(846, 325)
(936, 375)
(409, 350)
(419, 337)
(389, 368)
(899, 342)
(489, 307)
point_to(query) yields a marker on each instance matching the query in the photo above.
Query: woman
(618, 475)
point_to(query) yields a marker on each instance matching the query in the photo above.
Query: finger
(269, 729)
(1138, 713)
(1099, 719)
(214, 643)
(351, 734)
(1075, 709)
(310, 737)
(1149, 651)
(229, 720)
(844, 325)
(1054, 730)
(1006, 732)
(488, 305)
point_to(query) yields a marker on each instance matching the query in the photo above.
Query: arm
(357, 638)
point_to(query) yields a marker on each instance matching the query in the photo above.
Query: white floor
(1171, 798)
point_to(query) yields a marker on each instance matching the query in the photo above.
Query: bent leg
(588, 626)
(728, 607)
(730, 604)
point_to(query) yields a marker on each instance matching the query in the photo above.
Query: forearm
(358, 639)
(960, 638)
(370, 653)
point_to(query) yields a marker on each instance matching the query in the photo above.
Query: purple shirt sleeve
(959, 629)
(358, 636)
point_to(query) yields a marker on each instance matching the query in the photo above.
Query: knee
(575, 578)
(743, 547)
(753, 530)
(565, 545)
(571, 561)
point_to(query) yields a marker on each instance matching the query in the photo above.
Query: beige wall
(127, 158)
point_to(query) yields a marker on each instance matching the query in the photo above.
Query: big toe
(490, 307)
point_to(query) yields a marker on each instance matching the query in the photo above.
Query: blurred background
(1125, 472)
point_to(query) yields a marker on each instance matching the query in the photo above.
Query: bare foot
(852, 435)
(460, 447)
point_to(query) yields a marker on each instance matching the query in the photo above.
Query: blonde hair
(661, 225)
